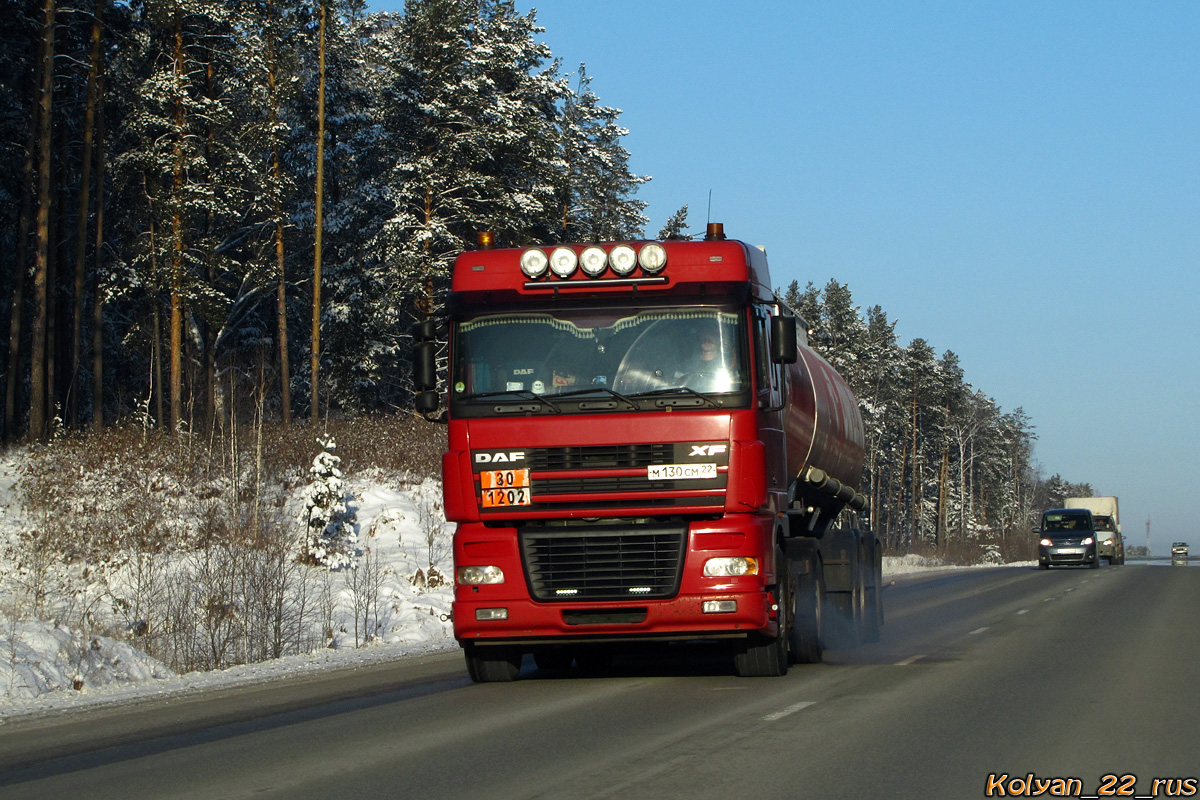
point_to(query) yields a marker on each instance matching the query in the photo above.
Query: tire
(842, 618)
(873, 591)
(767, 656)
(1095, 563)
(492, 664)
(1043, 565)
(804, 646)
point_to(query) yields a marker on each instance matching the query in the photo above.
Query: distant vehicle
(1179, 553)
(1106, 516)
(1068, 539)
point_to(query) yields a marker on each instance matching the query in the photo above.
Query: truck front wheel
(492, 664)
(763, 656)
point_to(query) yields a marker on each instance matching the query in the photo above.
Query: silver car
(1068, 539)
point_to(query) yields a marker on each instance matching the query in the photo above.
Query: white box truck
(1107, 516)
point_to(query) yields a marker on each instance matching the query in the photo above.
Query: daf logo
(499, 458)
(707, 449)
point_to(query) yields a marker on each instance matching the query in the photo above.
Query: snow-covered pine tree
(676, 227)
(596, 199)
(329, 536)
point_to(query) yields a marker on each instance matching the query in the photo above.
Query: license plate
(505, 487)
(681, 472)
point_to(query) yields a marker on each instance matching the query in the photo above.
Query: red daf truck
(643, 448)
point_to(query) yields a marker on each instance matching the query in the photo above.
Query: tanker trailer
(643, 448)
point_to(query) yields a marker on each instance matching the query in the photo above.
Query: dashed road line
(792, 709)
(910, 660)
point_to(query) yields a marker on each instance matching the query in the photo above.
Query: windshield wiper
(601, 389)
(517, 393)
(679, 390)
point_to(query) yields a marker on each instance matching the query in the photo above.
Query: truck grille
(622, 456)
(606, 562)
(555, 489)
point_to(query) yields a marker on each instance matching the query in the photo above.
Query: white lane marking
(978, 630)
(910, 660)
(1023, 611)
(792, 709)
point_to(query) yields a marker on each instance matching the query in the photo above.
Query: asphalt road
(980, 674)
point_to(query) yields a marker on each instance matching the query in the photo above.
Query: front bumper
(1067, 555)
(508, 612)
(680, 618)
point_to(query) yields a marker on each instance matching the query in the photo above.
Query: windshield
(582, 352)
(1066, 523)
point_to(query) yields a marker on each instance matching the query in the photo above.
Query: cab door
(770, 395)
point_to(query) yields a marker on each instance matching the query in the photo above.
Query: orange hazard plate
(505, 487)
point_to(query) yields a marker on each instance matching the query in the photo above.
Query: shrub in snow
(991, 555)
(329, 534)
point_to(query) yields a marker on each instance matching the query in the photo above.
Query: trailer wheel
(492, 664)
(844, 603)
(805, 645)
(765, 656)
(873, 592)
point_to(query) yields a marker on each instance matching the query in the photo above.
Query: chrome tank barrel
(824, 429)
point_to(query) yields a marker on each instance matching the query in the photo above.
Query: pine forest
(210, 210)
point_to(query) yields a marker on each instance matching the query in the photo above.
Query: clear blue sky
(1018, 182)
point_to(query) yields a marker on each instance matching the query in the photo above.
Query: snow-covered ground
(45, 667)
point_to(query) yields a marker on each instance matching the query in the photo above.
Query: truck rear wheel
(492, 664)
(805, 644)
(873, 594)
(844, 590)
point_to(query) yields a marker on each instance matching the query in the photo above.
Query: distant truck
(1106, 515)
(1179, 552)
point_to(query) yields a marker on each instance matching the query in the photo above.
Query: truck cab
(1109, 542)
(642, 448)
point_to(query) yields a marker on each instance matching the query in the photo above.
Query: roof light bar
(623, 259)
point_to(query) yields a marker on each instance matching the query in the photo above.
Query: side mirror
(425, 366)
(426, 402)
(783, 340)
(426, 331)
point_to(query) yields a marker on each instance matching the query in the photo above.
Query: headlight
(534, 262)
(1045, 543)
(1108, 542)
(593, 260)
(622, 259)
(728, 567)
(653, 257)
(1089, 540)
(476, 576)
(563, 261)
